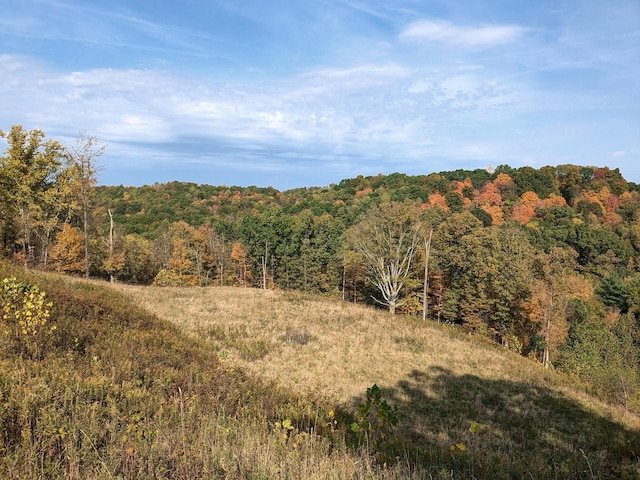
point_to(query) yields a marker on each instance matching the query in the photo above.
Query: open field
(239, 383)
(313, 345)
(457, 396)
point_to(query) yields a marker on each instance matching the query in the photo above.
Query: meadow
(182, 383)
(466, 407)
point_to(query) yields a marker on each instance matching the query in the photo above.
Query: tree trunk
(264, 266)
(427, 251)
(85, 215)
(545, 354)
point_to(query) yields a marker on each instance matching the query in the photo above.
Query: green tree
(489, 282)
(606, 357)
(614, 292)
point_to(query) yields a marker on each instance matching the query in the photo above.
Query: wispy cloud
(445, 32)
(240, 92)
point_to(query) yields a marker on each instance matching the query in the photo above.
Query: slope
(465, 405)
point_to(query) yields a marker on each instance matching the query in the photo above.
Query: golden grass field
(312, 344)
(183, 383)
(335, 350)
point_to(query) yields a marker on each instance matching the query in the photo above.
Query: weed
(376, 418)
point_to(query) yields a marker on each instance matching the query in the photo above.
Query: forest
(544, 261)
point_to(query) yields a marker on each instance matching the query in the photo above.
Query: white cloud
(444, 32)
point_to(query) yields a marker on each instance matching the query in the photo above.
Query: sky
(306, 93)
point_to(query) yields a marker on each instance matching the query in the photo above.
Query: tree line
(544, 261)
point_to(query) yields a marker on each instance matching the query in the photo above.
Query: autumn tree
(241, 264)
(490, 200)
(28, 174)
(525, 209)
(556, 283)
(83, 158)
(139, 266)
(59, 206)
(182, 259)
(387, 238)
(67, 254)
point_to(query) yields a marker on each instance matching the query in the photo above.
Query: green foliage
(483, 216)
(376, 418)
(614, 292)
(607, 358)
(528, 179)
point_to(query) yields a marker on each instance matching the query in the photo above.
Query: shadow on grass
(480, 428)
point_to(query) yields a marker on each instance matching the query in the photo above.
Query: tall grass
(249, 384)
(123, 394)
(526, 420)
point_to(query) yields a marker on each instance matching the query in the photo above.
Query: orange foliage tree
(525, 210)
(461, 189)
(490, 200)
(241, 264)
(436, 200)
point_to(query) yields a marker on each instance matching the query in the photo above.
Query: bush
(169, 278)
(25, 316)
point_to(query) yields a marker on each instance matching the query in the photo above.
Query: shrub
(169, 278)
(25, 316)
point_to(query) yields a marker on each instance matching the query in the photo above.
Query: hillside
(116, 392)
(511, 417)
(546, 261)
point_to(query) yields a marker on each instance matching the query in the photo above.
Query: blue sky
(307, 93)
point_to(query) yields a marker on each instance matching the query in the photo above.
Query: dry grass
(311, 345)
(528, 421)
(467, 409)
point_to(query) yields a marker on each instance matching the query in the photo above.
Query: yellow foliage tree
(67, 254)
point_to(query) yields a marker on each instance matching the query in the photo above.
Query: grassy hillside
(116, 392)
(250, 384)
(463, 406)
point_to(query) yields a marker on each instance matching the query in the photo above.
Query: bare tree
(387, 239)
(425, 292)
(83, 158)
